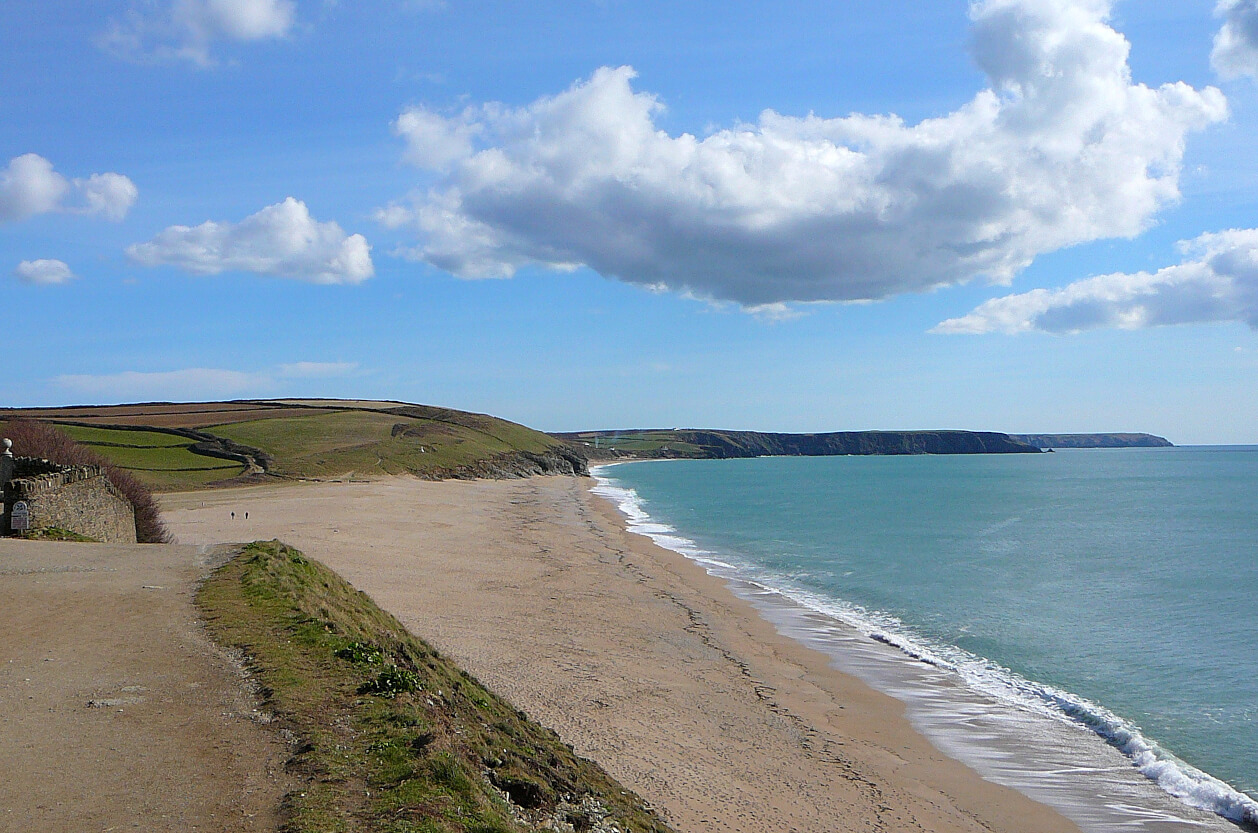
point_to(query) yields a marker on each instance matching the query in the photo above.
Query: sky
(1010, 215)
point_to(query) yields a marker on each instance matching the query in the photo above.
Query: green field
(366, 443)
(641, 442)
(104, 437)
(162, 461)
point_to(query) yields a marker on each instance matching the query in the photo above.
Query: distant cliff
(1093, 440)
(710, 444)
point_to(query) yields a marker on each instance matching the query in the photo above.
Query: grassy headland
(714, 444)
(188, 446)
(407, 439)
(389, 735)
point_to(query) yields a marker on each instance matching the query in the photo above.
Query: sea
(1081, 626)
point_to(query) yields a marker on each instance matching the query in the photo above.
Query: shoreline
(820, 667)
(1014, 731)
(632, 652)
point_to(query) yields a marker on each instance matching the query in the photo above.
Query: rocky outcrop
(557, 460)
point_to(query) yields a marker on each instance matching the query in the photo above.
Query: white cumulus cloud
(187, 29)
(29, 185)
(281, 240)
(189, 384)
(317, 370)
(434, 141)
(43, 272)
(1061, 148)
(109, 195)
(1217, 281)
(1236, 44)
(197, 383)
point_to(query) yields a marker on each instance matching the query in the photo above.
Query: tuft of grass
(391, 736)
(391, 682)
(55, 533)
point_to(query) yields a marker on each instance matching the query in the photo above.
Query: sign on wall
(20, 520)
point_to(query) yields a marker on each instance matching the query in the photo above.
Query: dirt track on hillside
(116, 711)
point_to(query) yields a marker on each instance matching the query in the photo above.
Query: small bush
(391, 682)
(39, 439)
(361, 653)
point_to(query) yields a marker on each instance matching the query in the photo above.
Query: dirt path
(116, 711)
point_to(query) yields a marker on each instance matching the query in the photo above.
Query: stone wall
(76, 498)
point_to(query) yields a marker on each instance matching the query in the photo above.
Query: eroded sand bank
(634, 655)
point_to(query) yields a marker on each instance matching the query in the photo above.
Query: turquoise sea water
(1112, 588)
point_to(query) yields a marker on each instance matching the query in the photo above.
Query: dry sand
(116, 710)
(634, 655)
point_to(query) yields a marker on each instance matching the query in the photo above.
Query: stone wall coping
(34, 476)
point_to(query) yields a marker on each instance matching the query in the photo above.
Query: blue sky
(481, 205)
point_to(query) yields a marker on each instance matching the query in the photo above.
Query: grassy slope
(161, 461)
(391, 736)
(326, 439)
(641, 442)
(364, 442)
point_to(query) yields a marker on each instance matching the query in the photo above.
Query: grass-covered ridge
(369, 442)
(390, 735)
(174, 447)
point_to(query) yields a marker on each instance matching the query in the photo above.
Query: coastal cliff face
(557, 460)
(756, 444)
(1094, 440)
(708, 444)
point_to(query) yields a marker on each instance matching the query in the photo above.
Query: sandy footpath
(116, 710)
(634, 655)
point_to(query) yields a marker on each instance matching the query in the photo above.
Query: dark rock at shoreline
(556, 460)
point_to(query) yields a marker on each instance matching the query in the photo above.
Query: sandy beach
(636, 656)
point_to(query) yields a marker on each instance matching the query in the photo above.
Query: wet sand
(636, 656)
